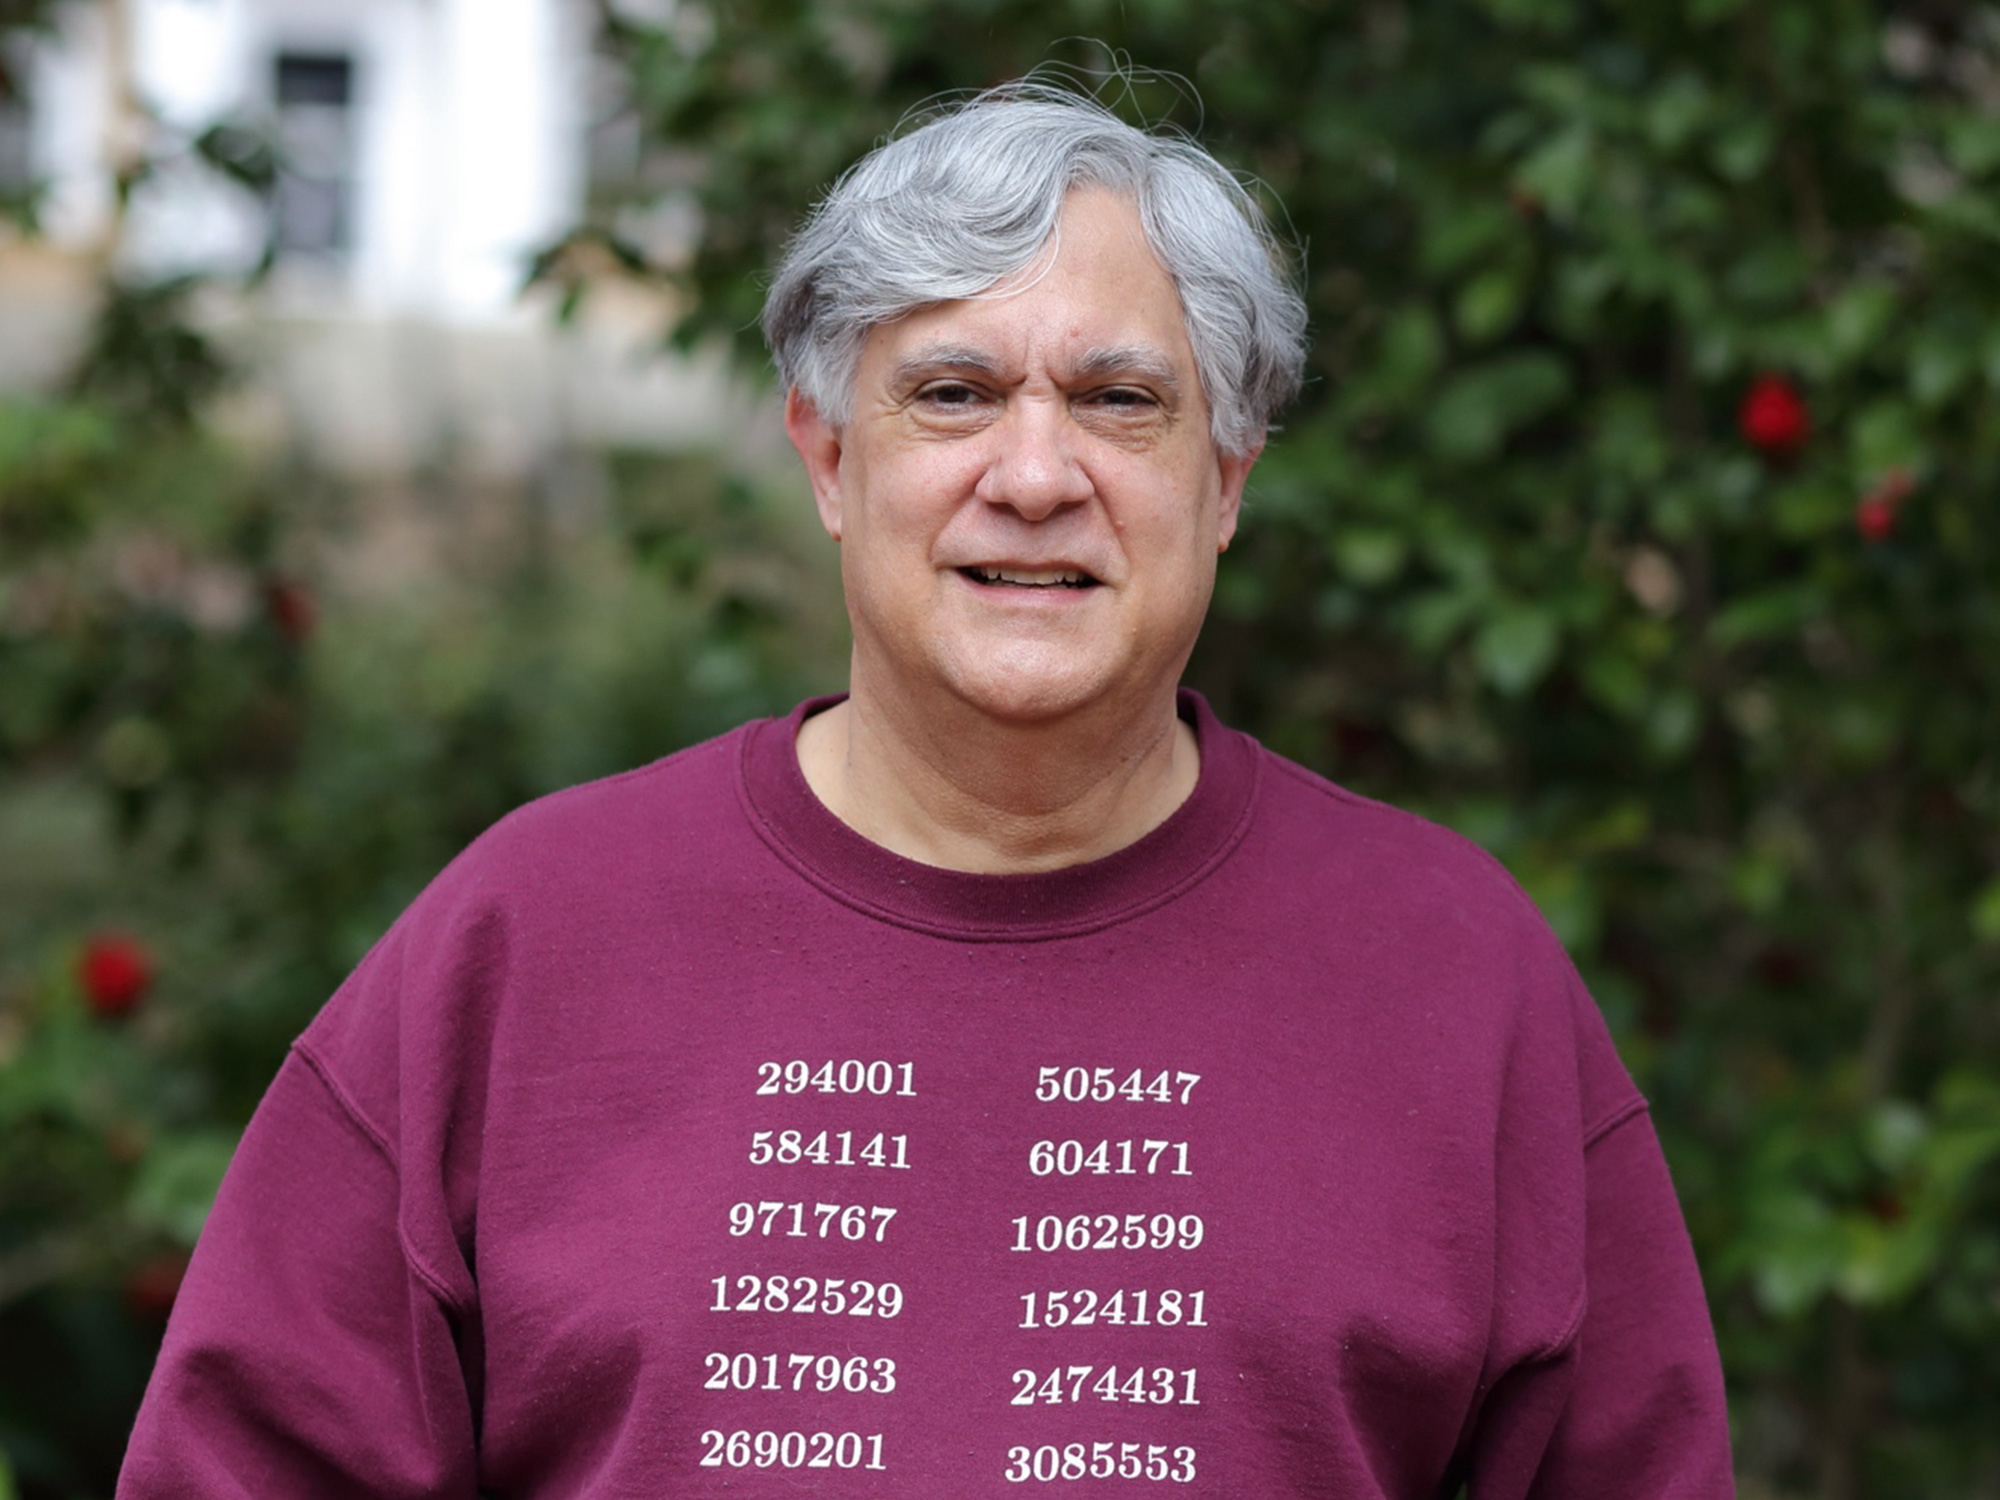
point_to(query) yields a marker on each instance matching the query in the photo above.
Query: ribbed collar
(999, 908)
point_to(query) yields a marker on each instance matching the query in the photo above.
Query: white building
(431, 148)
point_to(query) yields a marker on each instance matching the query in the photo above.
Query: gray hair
(972, 197)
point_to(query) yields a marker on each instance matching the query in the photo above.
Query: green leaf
(1986, 913)
(1488, 305)
(1798, 1254)
(1972, 143)
(1758, 879)
(1773, 612)
(1562, 894)
(1481, 405)
(177, 1182)
(1457, 234)
(1940, 365)
(1856, 320)
(1672, 723)
(1895, 1133)
(1412, 350)
(1560, 171)
(1742, 151)
(1677, 111)
(1884, 436)
(1431, 621)
(1515, 647)
(1370, 555)
(1884, 1263)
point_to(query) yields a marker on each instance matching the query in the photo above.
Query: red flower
(1772, 418)
(114, 972)
(1874, 519)
(291, 608)
(1875, 512)
(151, 1288)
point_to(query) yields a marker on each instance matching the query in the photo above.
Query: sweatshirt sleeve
(1623, 1395)
(309, 1354)
(1645, 1417)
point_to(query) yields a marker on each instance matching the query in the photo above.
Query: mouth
(1030, 578)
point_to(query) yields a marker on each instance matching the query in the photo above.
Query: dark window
(16, 160)
(315, 78)
(314, 201)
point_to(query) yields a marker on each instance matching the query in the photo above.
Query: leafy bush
(229, 755)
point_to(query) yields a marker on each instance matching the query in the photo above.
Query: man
(1003, 1077)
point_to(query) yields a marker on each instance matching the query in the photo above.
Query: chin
(1031, 693)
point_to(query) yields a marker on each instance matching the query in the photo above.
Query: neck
(963, 792)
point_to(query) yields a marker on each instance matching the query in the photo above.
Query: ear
(818, 442)
(1234, 473)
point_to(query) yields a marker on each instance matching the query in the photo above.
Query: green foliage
(1729, 712)
(226, 745)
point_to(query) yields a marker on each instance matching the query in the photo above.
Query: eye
(948, 393)
(1123, 396)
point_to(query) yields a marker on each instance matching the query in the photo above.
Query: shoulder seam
(344, 1102)
(1559, 1345)
(1630, 1110)
(716, 744)
(1335, 792)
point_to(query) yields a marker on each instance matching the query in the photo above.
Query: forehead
(1094, 298)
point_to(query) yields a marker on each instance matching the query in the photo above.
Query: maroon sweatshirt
(680, 1142)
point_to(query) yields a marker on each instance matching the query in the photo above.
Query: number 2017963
(856, 1374)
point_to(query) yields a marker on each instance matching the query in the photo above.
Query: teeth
(1043, 579)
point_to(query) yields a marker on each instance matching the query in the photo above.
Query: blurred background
(384, 441)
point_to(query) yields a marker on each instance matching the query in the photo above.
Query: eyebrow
(1141, 360)
(937, 359)
(1130, 359)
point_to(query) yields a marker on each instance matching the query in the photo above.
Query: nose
(1033, 468)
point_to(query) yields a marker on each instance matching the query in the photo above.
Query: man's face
(1027, 498)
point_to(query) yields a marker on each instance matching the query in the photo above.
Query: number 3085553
(1104, 1459)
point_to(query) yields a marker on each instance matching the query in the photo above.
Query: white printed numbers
(832, 1296)
(1139, 1308)
(830, 1148)
(849, 1077)
(1100, 1460)
(825, 1373)
(1120, 1307)
(791, 1450)
(1073, 1383)
(806, 1221)
(1109, 1159)
(1101, 1085)
(1053, 1232)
